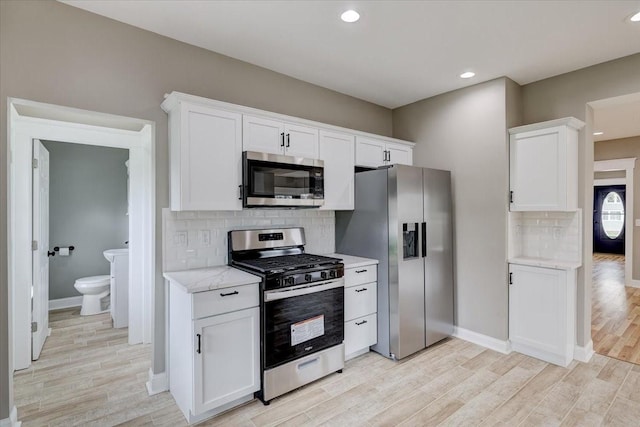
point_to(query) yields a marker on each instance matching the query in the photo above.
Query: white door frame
(28, 120)
(626, 165)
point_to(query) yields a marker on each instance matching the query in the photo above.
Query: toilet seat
(93, 290)
(94, 280)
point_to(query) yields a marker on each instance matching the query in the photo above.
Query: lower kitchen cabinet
(360, 306)
(542, 312)
(214, 342)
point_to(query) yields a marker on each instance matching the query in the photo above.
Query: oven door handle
(277, 294)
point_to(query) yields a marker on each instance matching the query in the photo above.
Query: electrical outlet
(180, 239)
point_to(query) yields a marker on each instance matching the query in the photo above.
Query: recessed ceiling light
(598, 133)
(350, 16)
(635, 18)
(467, 75)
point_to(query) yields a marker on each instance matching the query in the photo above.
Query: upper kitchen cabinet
(373, 153)
(205, 156)
(278, 137)
(544, 166)
(337, 150)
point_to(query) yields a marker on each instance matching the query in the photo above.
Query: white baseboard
(634, 283)
(157, 383)
(495, 344)
(583, 354)
(12, 421)
(57, 304)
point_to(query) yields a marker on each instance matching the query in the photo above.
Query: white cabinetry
(205, 157)
(337, 150)
(277, 137)
(120, 289)
(542, 311)
(214, 344)
(373, 153)
(544, 166)
(360, 308)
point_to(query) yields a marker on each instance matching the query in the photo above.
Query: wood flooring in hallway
(615, 312)
(89, 376)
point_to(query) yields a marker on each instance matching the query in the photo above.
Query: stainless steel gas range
(301, 307)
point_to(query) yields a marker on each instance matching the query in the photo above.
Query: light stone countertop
(545, 263)
(207, 279)
(351, 261)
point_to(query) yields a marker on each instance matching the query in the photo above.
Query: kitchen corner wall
(465, 131)
(199, 239)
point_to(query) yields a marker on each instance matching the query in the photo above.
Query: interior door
(40, 291)
(609, 203)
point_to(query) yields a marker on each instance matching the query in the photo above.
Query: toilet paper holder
(57, 249)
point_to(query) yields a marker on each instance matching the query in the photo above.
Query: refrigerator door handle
(424, 240)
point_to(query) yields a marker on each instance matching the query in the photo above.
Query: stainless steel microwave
(273, 180)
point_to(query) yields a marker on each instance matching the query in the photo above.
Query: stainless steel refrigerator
(403, 218)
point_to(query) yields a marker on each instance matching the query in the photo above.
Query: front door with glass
(608, 219)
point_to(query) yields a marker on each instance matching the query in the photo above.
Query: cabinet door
(399, 154)
(360, 334)
(538, 174)
(370, 153)
(262, 135)
(228, 364)
(337, 150)
(301, 141)
(539, 311)
(210, 156)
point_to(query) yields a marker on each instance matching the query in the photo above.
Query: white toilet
(93, 290)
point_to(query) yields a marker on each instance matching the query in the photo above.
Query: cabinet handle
(361, 271)
(361, 290)
(282, 136)
(229, 294)
(240, 192)
(199, 350)
(511, 278)
(424, 240)
(510, 196)
(361, 323)
(388, 155)
(384, 156)
(288, 140)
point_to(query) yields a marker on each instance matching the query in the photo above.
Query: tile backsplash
(199, 239)
(550, 235)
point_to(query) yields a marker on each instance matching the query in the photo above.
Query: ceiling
(400, 51)
(616, 117)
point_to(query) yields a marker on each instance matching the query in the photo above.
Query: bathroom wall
(87, 209)
(199, 239)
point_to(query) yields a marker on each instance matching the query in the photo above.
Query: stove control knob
(289, 280)
(323, 274)
(332, 273)
(307, 277)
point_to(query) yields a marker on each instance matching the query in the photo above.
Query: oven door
(271, 180)
(302, 320)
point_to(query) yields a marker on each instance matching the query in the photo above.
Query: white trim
(609, 181)
(495, 344)
(614, 164)
(583, 354)
(171, 99)
(28, 120)
(627, 165)
(157, 382)
(57, 304)
(635, 283)
(12, 421)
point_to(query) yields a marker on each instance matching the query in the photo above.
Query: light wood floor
(88, 375)
(615, 324)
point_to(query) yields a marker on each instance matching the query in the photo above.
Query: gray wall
(87, 209)
(54, 53)
(567, 95)
(622, 149)
(465, 131)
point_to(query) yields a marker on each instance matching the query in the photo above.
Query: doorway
(608, 219)
(29, 121)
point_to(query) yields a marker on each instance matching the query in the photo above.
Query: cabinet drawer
(360, 333)
(224, 300)
(360, 301)
(360, 275)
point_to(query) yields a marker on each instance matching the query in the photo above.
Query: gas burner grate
(287, 262)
